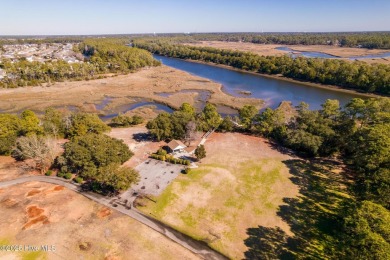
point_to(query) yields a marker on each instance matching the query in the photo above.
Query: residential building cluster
(41, 52)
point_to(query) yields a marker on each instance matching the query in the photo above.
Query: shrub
(68, 176)
(169, 158)
(187, 170)
(78, 179)
(49, 173)
(60, 174)
(161, 152)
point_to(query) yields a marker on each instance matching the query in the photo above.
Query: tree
(191, 132)
(30, 124)
(331, 108)
(370, 156)
(246, 115)
(161, 127)
(86, 154)
(83, 123)
(43, 150)
(368, 229)
(226, 125)
(53, 123)
(118, 178)
(9, 131)
(187, 108)
(209, 118)
(200, 152)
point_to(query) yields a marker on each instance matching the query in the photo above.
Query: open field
(239, 185)
(43, 214)
(269, 49)
(123, 89)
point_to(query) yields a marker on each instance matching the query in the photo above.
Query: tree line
(358, 133)
(371, 40)
(360, 76)
(102, 56)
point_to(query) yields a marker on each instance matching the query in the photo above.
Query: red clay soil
(58, 188)
(41, 219)
(34, 211)
(104, 212)
(33, 192)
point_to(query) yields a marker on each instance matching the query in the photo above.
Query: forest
(101, 56)
(360, 76)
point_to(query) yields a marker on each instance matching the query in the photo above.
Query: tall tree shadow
(313, 216)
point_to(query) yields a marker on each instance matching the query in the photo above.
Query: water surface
(273, 91)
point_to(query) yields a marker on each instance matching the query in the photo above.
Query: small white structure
(176, 146)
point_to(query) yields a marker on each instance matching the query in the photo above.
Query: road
(197, 247)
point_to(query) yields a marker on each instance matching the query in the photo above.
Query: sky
(71, 17)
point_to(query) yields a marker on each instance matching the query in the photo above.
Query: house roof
(174, 144)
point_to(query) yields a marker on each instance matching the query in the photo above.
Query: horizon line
(216, 32)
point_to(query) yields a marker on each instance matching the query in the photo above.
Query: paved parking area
(155, 176)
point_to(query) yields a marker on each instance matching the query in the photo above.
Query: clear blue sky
(21, 17)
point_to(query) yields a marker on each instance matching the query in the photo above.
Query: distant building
(176, 146)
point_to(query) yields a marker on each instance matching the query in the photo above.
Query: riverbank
(280, 77)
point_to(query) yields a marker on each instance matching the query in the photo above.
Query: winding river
(273, 91)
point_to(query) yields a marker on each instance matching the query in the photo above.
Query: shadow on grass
(313, 216)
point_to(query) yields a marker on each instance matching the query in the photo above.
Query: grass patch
(164, 200)
(34, 255)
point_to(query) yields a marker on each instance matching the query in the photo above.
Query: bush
(68, 176)
(169, 158)
(60, 174)
(78, 179)
(49, 173)
(161, 152)
(187, 170)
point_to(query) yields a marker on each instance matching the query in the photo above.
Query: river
(273, 91)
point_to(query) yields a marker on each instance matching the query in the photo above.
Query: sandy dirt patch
(123, 89)
(239, 185)
(77, 227)
(11, 169)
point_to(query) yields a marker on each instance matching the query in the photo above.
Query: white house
(176, 146)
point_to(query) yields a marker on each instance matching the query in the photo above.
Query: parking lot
(155, 176)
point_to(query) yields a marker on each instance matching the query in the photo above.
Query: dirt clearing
(77, 227)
